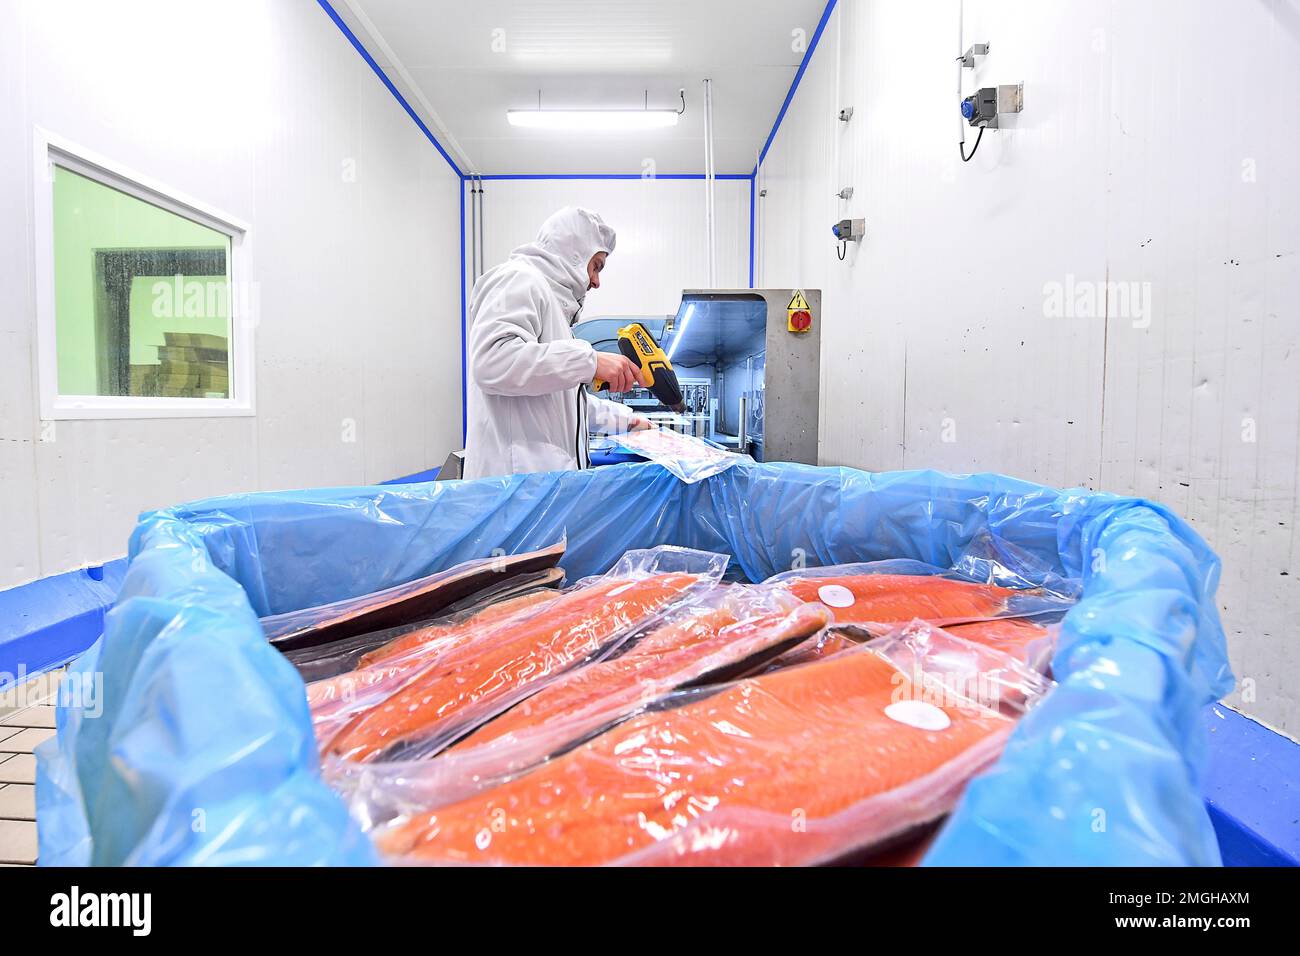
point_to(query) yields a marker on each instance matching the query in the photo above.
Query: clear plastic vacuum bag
(736, 632)
(384, 669)
(805, 765)
(690, 458)
(935, 657)
(403, 603)
(716, 637)
(722, 635)
(459, 682)
(1029, 643)
(324, 661)
(894, 591)
(834, 640)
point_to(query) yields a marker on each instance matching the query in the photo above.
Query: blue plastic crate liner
(199, 748)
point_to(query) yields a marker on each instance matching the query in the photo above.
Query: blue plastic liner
(202, 749)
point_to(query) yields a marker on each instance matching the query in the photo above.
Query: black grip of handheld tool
(629, 350)
(665, 387)
(659, 376)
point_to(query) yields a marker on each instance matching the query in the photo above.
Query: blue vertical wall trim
(365, 55)
(464, 388)
(803, 65)
(751, 228)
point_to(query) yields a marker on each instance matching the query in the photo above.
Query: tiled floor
(21, 729)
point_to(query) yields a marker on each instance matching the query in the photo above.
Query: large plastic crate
(200, 748)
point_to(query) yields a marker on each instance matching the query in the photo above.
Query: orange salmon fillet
(672, 655)
(333, 699)
(407, 643)
(898, 598)
(471, 681)
(793, 767)
(1014, 636)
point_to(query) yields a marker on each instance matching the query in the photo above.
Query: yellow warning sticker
(798, 314)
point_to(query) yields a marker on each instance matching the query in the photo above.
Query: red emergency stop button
(800, 321)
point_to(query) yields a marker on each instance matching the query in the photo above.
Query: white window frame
(52, 150)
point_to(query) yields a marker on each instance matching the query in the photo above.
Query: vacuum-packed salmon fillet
(322, 662)
(795, 766)
(458, 632)
(895, 598)
(1024, 640)
(417, 649)
(827, 644)
(708, 643)
(414, 601)
(473, 680)
(334, 701)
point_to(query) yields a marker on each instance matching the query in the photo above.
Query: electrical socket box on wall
(1011, 97)
(983, 107)
(849, 229)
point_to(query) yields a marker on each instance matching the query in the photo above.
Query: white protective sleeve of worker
(510, 353)
(608, 418)
(526, 409)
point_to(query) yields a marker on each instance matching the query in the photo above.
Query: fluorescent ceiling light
(592, 119)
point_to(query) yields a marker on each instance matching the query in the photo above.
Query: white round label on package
(918, 714)
(835, 595)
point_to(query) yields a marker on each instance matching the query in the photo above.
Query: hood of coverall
(564, 245)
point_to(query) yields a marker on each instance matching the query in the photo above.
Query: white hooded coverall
(527, 408)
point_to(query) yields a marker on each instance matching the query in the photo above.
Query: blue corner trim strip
(544, 176)
(429, 475)
(1252, 789)
(803, 65)
(365, 55)
(464, 388)
(52, 620)
(752, 188)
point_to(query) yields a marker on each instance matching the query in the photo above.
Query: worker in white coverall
(528, 409)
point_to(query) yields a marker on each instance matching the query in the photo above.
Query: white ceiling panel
(471, 61)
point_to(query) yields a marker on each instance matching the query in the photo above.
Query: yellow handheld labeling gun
(640, 348)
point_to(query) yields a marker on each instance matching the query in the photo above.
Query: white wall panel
(1203, 407)
(266, 111)
(661, 247)
(1130, 166)
(19, 428)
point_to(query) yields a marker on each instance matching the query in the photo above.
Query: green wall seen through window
(91, 218)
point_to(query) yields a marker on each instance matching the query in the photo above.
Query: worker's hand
(639, 424)
(621, 374)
